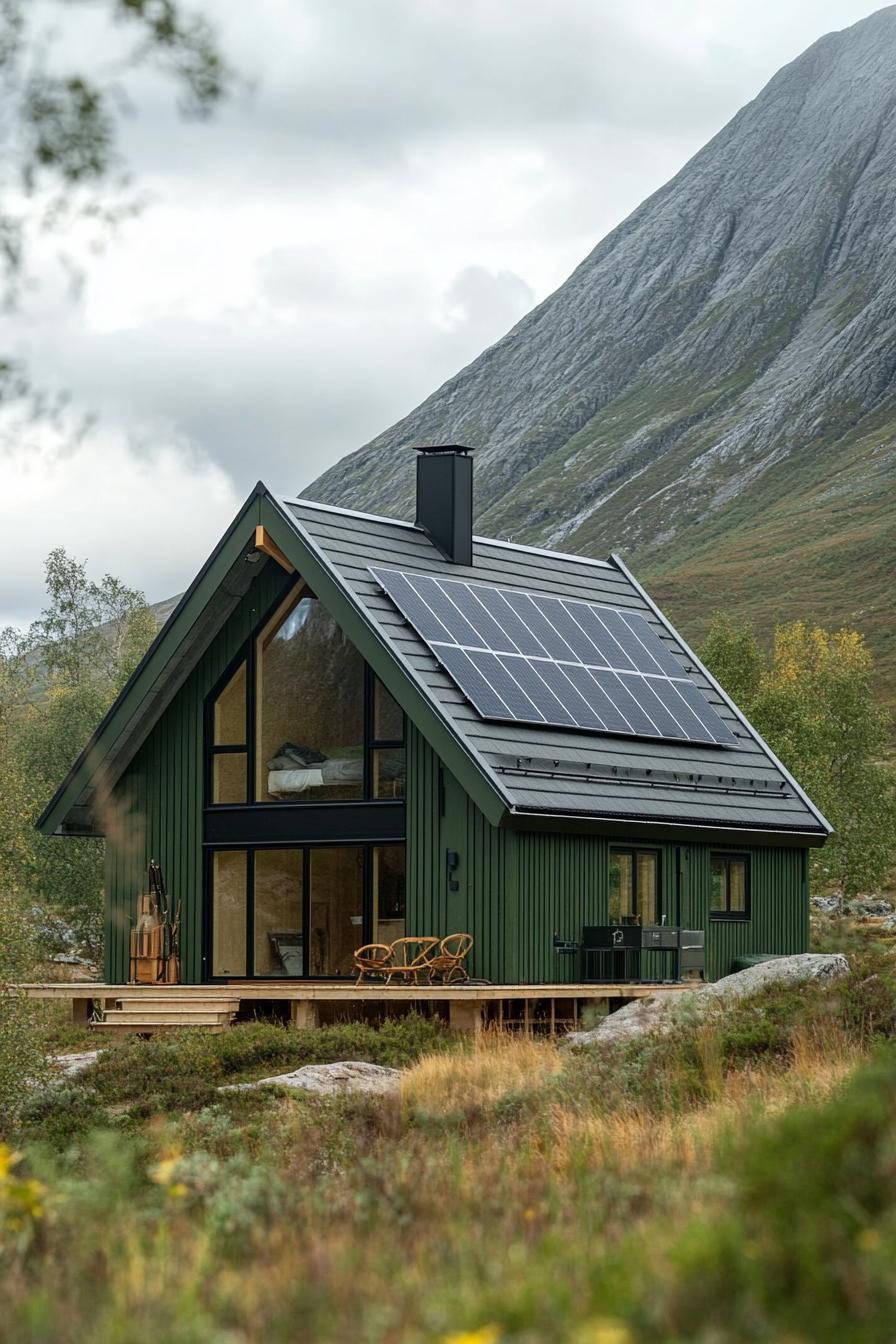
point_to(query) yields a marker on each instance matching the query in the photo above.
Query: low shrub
(809, 1240)
(686, 1066)
(138, 1078)
(59, 1114)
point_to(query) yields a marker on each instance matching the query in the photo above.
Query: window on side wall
(729, 886)
(634, 886)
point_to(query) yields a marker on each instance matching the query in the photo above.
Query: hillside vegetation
(731, 1181)
(712, 391)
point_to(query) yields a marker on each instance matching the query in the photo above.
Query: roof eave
(87, 772)
(650, 828)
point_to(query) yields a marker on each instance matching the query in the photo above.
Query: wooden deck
(152, 1008)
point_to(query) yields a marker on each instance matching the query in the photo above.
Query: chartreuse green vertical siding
(518, 888)
(155, 811)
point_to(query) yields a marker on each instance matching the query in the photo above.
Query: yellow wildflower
(604, 1330)
(8, 1160)
(486, 1334)
(163, 1172)
(869, 1239)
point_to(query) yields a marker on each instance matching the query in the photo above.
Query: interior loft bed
(297, 770)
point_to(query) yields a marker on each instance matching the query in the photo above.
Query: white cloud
(406, 178)
(151, 517)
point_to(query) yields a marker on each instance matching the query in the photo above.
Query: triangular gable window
(306, 711)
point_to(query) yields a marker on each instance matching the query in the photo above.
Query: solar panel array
(530, 658)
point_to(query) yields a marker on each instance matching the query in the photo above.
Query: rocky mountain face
(712, 391)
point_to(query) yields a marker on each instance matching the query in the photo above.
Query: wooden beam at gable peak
(269, 547)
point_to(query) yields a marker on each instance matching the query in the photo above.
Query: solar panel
(534, 658)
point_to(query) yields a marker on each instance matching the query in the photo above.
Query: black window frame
(728, 915)
(304, 848)
(248, 654)
(213, 749)
(634, 850)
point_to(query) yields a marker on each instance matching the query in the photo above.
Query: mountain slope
(712, 391)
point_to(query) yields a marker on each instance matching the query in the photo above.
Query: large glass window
(229, 894)
(229, 751)
(388, 893)
(387, 769)
(634, 886)
(277, 909)
(318, 723)
(729, 886)
(230, 711)
(336, 915)
(283, 913)
(388, 720)
(309, 707)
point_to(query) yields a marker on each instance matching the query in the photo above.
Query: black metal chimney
(445, 499)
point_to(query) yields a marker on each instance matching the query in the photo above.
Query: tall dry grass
(497, 1065)
(632, 1136)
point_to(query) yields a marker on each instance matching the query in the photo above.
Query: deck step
(124, 1028)
(170, 1018)
(160, 1004)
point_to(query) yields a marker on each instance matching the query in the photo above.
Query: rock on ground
(69, 1066)
(826, 905)
(868, 907)
(330, 1079)
(662, 1012)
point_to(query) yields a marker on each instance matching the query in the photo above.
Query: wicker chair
(448, 963)
(372, 959)
(411, 959)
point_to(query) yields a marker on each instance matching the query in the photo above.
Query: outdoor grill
(624, 953)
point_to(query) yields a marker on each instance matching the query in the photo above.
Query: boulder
(868, 907)
(661, 1012)
(330, 1079)
(69, 1066)
(826, 905)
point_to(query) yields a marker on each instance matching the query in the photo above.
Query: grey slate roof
(546, 770)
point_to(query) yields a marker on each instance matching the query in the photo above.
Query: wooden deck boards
(341, 991)
(147, 1009)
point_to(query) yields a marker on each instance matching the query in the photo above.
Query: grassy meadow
(735, 1180)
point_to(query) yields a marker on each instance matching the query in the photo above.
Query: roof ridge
(403, 522)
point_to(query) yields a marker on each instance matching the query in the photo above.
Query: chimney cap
(440, 448)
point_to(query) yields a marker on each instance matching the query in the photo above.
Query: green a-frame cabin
(296, 755)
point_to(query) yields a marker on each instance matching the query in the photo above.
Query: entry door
(285, 913)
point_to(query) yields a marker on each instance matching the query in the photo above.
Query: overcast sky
(401, 181)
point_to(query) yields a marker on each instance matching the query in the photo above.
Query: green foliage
(811, 698)
(571, 1216)
(808, 1240)
(731, 652)
(686, 1066)
(182, 1071)
(55, 683)
(21, 1053)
